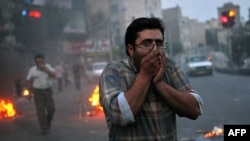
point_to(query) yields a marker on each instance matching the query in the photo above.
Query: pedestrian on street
(142, 95)
(59, 75)
(77, 74)
(66, 74)
(238, 56)
(39, 81)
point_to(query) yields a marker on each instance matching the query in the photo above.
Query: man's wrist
(147, 78)
(159, 85)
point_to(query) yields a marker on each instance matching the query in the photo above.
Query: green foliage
(242, 37)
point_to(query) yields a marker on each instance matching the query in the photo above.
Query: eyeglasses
(149, 44)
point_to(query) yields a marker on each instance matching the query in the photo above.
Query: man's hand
(150, 64)
(41, 66)
(161, 68)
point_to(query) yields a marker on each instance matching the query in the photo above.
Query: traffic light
(32, 13)
(35, 14)
(231, 17)
(224, 18)
(227, 18)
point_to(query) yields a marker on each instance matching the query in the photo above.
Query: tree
(241, 37)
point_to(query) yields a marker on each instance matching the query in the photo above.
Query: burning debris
(94, 101)
(217, 134)
(7, 109)
(91, 105)
(26, 93)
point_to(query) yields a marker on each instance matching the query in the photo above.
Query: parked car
(199, 65)
(96, 70)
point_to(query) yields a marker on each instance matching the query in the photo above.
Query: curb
(239, 71)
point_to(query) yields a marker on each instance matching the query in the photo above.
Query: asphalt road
(70, 122)
(226, 101)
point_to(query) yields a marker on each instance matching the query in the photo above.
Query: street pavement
(70, 122)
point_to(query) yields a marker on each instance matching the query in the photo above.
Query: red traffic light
(224, 19)
(227, 18)
(35, 14)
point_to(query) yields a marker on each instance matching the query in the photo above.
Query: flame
(216, 132)
(94, 101)
(26, 92)
(6, 109)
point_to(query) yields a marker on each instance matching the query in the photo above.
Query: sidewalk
(223, 67)
(222, 64)
(70, 122)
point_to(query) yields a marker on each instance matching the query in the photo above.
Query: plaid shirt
(155, 121)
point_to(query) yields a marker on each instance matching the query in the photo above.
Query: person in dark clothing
(59, 71)
(66, 74)
(77, 74)
(18, 87)
(238, 56)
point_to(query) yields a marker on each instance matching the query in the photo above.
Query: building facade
(197, 33)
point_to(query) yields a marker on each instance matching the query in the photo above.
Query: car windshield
(197, 59)
(99, 66)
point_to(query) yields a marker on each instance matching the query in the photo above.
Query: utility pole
(110, 41)
(230, 44)
(169, 40)
(170, 44)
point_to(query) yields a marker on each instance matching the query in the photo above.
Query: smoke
(12, 69)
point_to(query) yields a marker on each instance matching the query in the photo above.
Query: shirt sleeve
(127, 115)
(29, 75)
(50, 67)
(178, 79)
(199, 99)
(112, 99)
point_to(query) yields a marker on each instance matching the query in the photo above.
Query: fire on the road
(6, 109)
(26, 92)
(94, 101)
(216, 132)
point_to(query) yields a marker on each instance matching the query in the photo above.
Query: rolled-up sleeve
(199, 99)
(127, 115)
(112, 97)
(181, 82)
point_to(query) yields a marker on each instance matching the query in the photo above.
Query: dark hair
(39, 56)
(139, 25)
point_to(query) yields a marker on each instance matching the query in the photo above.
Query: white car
(199, 64)
(96, 70)
(98, 67)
